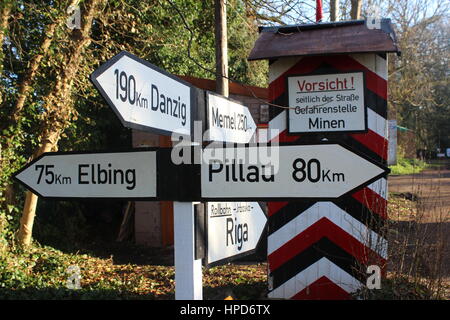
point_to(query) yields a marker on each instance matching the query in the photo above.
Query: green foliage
(396, 288)
(408, 166)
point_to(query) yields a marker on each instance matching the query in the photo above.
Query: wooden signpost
(327, 96)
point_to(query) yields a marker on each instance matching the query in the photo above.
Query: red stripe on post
(373, 81)
(274, 207)
(373, 201)
(320, 229)
(322, 289)
(373, 141)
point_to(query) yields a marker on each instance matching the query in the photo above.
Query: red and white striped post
(317, 249)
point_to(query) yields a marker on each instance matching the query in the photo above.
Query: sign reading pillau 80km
(144, 96)
(321, 171)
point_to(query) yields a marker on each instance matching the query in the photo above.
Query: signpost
(144, 96)
(322, 171)
(148, 98)
(327, 103)
(130, 175)
(228, 121)
(245, 173)
(234, 230)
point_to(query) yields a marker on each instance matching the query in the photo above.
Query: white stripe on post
(339, 217)
(188, 271)
(304, 278)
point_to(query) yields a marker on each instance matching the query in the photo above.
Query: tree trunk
(5, 10)
(221, 48)
(58, 110)
(35, 62)
(334, 10)
(25, 86)
(355, 12)
(29, 209)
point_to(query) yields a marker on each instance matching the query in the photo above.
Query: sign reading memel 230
(327, 103)
(144, 96)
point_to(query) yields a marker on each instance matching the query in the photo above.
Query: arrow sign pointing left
(92, 175)
(144, 96)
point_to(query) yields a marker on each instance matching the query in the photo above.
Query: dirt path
(423, 239)
(431, 188)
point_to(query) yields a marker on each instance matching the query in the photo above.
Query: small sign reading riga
(327, 103)
(234, 230)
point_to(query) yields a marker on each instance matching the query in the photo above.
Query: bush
(408, 166)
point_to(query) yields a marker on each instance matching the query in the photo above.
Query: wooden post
(221, 48)
(355, 12)
(334, 10)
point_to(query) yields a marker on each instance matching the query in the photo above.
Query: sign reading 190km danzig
(144, 96)
(327, 103)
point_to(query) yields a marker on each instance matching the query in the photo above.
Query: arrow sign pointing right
(228, 120)
(322, 171)
(234, 230)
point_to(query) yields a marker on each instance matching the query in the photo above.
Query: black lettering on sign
(244, 173)
(167, 105)
(236, 232)
(312, 171)
(96, 174)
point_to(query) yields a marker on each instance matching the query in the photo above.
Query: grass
(42, 272)
(408, 166)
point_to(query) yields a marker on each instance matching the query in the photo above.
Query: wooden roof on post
(324, 38)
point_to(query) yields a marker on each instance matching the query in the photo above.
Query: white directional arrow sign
(322, 171)
(92, 175)
(234, 230)
(144, 96)
(228, 121)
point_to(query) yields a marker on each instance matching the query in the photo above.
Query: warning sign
(327, 103)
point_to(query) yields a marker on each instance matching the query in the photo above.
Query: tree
(49, 102)
(418, 80)
(334, 10)
(355, 12)
(58, 107)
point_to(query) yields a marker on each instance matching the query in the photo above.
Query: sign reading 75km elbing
(144, 96)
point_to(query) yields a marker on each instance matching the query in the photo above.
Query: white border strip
(323, 267)
(337, 216)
